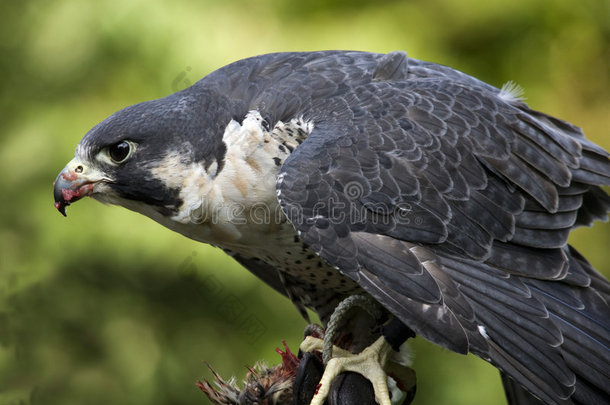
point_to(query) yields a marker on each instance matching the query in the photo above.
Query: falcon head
(139, 156)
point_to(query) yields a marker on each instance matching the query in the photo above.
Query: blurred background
(107, 307)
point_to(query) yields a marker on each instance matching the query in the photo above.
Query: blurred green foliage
(108, 307)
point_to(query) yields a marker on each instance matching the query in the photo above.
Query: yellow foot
(369, 363)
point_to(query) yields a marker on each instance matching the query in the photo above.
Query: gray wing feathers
(452, 206)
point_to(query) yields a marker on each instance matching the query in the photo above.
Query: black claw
(410, 395)
(351, 388)
(308, 377)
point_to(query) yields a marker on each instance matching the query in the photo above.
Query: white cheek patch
(171, 170)
(191, 178)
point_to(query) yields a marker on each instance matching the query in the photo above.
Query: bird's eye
(119, 151)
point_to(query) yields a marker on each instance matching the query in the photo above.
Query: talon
(345, 372)
(369, 363)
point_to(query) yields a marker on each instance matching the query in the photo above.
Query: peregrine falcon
(332, 174)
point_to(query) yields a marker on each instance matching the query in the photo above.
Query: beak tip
(61, 207)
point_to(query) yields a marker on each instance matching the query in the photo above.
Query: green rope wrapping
(337, 319)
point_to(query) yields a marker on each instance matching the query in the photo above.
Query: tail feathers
(586, 350)
(552, 339)
(516, 394)
(589, 394)
(583, 317)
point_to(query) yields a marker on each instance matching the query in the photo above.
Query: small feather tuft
(512, 92)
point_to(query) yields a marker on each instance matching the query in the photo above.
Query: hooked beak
(73, 183)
